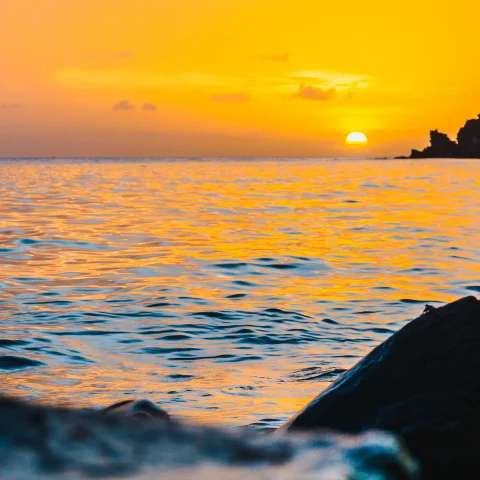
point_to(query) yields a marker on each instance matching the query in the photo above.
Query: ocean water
(228, 291)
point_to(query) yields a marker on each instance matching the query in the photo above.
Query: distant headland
(466, 146)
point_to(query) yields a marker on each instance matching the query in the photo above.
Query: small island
(466, 146)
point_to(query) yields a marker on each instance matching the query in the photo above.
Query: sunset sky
(233, 77)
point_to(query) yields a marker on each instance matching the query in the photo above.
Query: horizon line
(189, 157)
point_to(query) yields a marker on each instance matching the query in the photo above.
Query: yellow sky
(233, 77)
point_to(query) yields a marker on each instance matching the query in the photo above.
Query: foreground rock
(466, 146)
(53, 443)
(423, 383)
(139, 409)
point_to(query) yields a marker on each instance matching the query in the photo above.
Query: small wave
(381, 330)
(239, 391)
(272, 340)
(79, 358)
(231, 266)
(459, 257)
(86, 333)
(245, 358)
(473, 288)
(9, 362)
(282, 266)
(284, 312)
(213, 314)
(243, 331)
(329, 321)
(315, 373)
(160, 304)
(160, 350)
(412, 301)
(175, 338)
(189, 358)
(12, 343)
(148, 331)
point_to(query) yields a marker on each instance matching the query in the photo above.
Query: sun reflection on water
(204, 285)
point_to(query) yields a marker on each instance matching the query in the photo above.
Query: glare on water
(230, 291)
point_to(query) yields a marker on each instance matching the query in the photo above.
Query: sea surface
(229, 291)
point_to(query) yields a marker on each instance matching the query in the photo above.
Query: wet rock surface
(38, 442)
(423, 384)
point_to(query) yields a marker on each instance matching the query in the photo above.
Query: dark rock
(468, 139)
(138, 409)
(440, 147)
(467, 145)
(54, 443)
(423, 384)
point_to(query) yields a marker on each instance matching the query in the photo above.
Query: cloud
(137, 79)
(123, 105)
(230, 98)
(275, 57)
(10, 106)
(331, 79)
(149, 107)
(124, 54)
(313, 93)
(353, 85)
(316, 80)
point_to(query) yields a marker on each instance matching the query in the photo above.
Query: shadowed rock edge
(423, 383)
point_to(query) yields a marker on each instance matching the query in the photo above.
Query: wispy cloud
(136, 79)
(353, 85)
(231, 98)
(275, 57)
(313, 93)
(10, 106)
(311, 80)
(124, 54)
(123, 105)
(149, 107)
(325, 78)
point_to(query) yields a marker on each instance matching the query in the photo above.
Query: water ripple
(227, 291)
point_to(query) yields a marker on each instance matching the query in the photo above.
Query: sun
(356, 140)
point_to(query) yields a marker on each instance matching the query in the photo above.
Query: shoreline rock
(423, 384)
(466, 146)
(59, 444)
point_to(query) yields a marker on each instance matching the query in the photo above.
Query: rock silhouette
(423, 384)
(468, 139)
(466, 146)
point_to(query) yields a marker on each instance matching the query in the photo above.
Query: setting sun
(356, 140)
(272, 92)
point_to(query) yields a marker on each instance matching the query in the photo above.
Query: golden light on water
(356, 140)
(108, 270)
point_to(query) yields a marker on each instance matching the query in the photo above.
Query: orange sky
(233, 77)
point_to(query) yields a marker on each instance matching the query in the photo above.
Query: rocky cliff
(466, 146)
